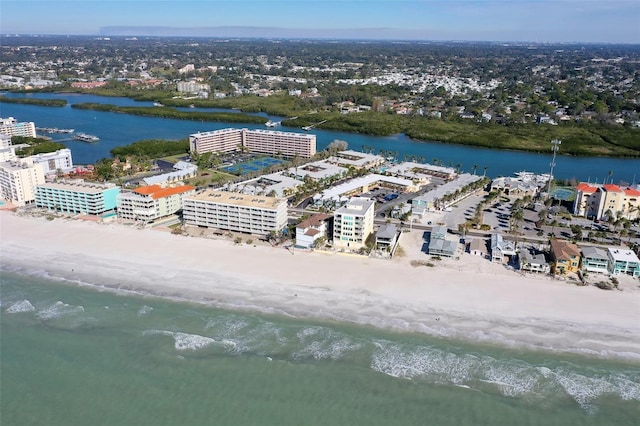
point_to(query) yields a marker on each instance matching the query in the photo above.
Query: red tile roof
(632, 192)
(146, 190)
(612, 188)
(585, 187)
(156, 191)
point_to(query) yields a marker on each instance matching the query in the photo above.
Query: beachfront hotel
(77, 196)
(353, 223)
(258, 141)
(149, 203)
(230, 211)
(18, 179)
(10, 126)
(594, 201)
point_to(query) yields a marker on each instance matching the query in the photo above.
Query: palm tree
(475, 167)
(485, 171)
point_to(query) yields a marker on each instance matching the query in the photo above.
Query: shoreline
(470, 299)
(473, 144)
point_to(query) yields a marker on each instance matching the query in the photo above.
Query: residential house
(531, 261)
(623, 261)
(387, 237)
(478, 247)
(310, 230)
(501, 250)
(595, 259)
(565, 256)
(439, 244)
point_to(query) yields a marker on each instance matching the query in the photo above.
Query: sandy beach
(469, 298)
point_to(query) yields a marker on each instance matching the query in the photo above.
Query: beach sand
(469, 299)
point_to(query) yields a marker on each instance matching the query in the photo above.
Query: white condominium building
(148, 203)
(353, 223)
(77, 196)
(10, 126)
(7, 151)
(219, 141)
(283, 143)
(231, 211)
(52, 162)
(18, 179)
(5, 141)
(271, 142)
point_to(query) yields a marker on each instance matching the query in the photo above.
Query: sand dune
(469, 298)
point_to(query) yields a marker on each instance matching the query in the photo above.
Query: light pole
(554, 148)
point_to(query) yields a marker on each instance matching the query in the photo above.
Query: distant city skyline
(588, 21)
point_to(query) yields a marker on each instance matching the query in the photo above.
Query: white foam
(57, 310)
(185, 341)
(20, 306)
(324, 343)
(144, 310)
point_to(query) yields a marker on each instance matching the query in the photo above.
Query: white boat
(272, 123)
(83, 137)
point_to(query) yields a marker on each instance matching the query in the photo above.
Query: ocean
(75, 354)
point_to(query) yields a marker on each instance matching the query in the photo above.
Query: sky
(589, 21)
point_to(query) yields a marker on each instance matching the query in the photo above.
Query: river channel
(116, 129)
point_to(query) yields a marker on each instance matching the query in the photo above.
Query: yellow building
(593, 201)
(565, 256)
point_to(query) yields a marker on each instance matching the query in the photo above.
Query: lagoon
(121, 129)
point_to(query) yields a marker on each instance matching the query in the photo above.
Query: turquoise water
(74, 355)
(122, 129)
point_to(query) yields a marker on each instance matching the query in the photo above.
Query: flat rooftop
(237, 199)
(356, 206)
(83, 187)
(621, 254)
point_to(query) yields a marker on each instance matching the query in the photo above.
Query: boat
(54, 130)
(83, 137)
(272, 123)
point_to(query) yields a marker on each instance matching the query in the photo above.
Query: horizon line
(317, 37)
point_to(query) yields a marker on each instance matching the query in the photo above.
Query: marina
(83, 137)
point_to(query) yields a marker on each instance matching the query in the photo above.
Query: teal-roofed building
(77, 196)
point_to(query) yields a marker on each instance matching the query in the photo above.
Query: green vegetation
(577, 139)
(152, 148)
(32, 101)
(36, 145)
(580, 139)
(167, 112)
